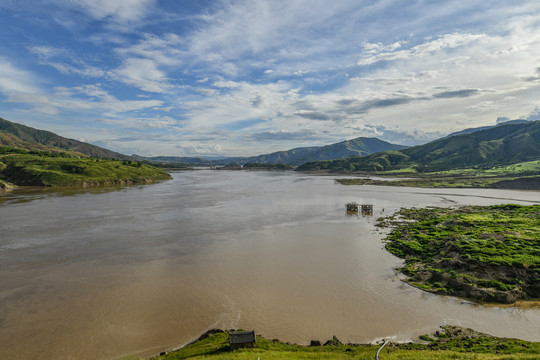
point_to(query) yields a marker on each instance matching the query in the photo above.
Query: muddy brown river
(105, 273)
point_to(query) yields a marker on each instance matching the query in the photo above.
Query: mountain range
(503, 144)
(361, 146)
(24, 137)
(506, 143)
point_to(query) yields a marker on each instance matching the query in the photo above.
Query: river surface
(105, 273)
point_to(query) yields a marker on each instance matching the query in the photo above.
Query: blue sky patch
(245, 77)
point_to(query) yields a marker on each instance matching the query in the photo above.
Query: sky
(246, 77)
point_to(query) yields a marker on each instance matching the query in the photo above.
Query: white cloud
(101, 99)
(118, 11)
(377, 52)
(65, 62)
(142, 123)
(88, 98)
(261, 69)
(242, 102)
(202, 149)
(208, 92)
(235, 32)
(441, 85)
(226, 84)
(162, 50)
(15, 80)
(145, 63)
(143, 74)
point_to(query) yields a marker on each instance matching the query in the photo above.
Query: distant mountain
(27, 138)
(499, 145)
(193, 161)
(360, 147)
(471, 130)
(175, 160)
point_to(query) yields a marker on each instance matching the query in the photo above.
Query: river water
(105, 273)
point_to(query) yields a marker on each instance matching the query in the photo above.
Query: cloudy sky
(245, 77)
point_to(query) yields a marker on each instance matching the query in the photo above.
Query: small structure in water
(352, 208)
(241, 339)
(367, 209)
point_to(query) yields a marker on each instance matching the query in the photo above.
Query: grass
(449, 343)
(488, 254)
(64, 170)
(532, 167)
(525, 175)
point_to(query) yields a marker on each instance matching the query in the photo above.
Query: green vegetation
(489, 254)
(293, 157)
(41, 158)
(255, 166)
(46, 169)
(500, 145)
(230, 167)
(361, 146)
(450, 343)
(24, 137)
(524, 175)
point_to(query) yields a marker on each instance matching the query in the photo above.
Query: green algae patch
(487, 254)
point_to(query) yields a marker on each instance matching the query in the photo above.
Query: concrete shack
(367, 209)
(241, 339)
(352, 208)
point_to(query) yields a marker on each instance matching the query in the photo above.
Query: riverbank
(447, 181)
(48, 170)
(521, 176)
(487, 254)
(451, 342)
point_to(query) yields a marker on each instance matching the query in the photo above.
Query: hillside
(501, 145)
(42, 170)
(361, 146)
(356, 147)
(188, 161)
(24, 137)
(471, 130)
(31, 157)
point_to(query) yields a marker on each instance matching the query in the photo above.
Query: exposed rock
(209, 333)
(335, 341)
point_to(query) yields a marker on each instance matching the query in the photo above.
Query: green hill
(31, 157)
(24, 137)
(361, 146)
(43, 170)
(501, 145)
(471, 130)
